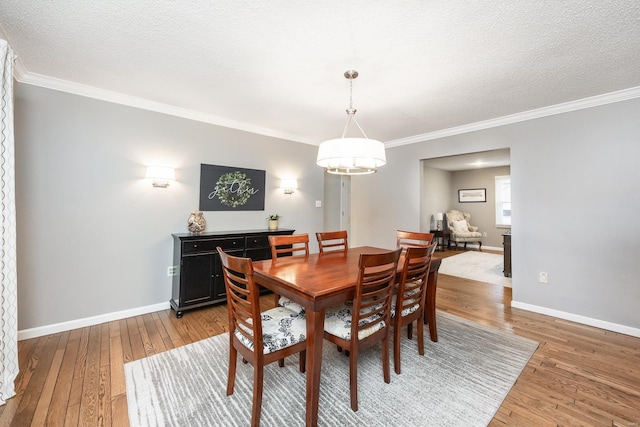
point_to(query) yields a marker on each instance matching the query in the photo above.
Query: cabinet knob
(195, 245)
(235, 243)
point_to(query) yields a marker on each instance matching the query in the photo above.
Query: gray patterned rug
(461, 381)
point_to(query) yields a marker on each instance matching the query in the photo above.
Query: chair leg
(276, 299)
(420, 333)
(480, 246)
(385, 360)
(353, 380)
(281, 362)
(258, 376)
(303, 361)
(231, 378)
(410, 331)
(397, 336)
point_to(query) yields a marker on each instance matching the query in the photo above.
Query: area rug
(474, 265)
(460, 381)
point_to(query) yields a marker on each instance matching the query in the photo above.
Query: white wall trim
(594, 101)
(23, 76)
(89, 321)
(145, 104)
(627, 330)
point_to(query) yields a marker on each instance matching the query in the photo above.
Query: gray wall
(94, 237)
(575, 198)
(435, 195)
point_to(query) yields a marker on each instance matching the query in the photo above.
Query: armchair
(457, 225)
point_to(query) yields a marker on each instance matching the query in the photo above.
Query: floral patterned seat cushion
(280, 328)
(415, 290)
(406, 311)
(290, 305)
(338, 322)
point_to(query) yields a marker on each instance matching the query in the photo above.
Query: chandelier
(351, 156)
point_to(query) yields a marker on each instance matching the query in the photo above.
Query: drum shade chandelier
(351, 156)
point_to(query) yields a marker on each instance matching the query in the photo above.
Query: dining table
(319, 281)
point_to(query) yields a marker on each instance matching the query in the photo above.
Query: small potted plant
(273, 221)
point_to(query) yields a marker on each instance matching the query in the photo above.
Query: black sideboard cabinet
(198, 281)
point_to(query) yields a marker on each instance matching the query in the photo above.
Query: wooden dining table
(319, 281)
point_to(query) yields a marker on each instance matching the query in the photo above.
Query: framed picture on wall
(225, 188)
(472, 195)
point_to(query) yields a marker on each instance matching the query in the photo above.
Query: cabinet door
(197, 279)
(219, 291)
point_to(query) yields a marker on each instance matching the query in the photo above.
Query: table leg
(315, 338)
(430, 306)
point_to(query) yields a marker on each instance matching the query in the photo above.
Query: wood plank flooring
(579, 376)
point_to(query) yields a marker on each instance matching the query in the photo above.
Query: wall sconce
(438, 217)
(289, 185)
(161, 175)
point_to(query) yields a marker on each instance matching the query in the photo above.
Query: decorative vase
(273, 224)
(196, 222)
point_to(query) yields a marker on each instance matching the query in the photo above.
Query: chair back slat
(412, 239)
(333, 240)
(243, 294)
(372, 302)
(288, 245)
(413, 282)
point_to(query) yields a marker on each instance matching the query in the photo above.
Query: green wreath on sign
(233, 189)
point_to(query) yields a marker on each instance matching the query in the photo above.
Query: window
(503, 201)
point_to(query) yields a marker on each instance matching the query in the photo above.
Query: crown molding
(145, 104)
(580, 104)
(21, 75)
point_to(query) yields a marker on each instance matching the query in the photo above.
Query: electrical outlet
(484, 234)
(544, 277)
(171, 270)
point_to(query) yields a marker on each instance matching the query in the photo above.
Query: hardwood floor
(579, 375)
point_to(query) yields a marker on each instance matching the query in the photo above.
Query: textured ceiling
(275, 67)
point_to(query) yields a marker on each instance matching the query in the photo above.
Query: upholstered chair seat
(338, 322)
(280, 328)
(291, 305)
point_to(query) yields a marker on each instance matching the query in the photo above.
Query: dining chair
(260, 337)
(408, 301)
(365, 321)
(408, 239)
(285, 246)
(288, 245)
(332, 240)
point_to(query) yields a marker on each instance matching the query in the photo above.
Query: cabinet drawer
(257, 242)
(209, 245)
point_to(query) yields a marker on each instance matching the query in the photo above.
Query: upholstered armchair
(459, 228)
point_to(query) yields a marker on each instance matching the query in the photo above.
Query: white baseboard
(89, 321)
(627, 330)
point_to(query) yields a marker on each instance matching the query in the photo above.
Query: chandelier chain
(351, 112)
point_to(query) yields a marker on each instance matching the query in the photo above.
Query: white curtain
(9, 282)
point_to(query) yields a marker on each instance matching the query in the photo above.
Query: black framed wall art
(226, 188)
(472, 195)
